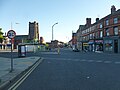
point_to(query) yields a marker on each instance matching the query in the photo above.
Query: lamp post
(94, 44)
(12, 28)
(52, 29)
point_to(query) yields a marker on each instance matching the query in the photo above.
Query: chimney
(97, 19)
(113, 9)
(88, 21)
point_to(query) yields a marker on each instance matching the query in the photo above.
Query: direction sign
(11, 34)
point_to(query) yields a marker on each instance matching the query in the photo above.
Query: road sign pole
(11, 34)
(11, 57)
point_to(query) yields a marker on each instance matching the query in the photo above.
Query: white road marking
(90, 60)
(117, 62)
(85, 60)
(107, 61)
(49, 52)
(99, 61)
(76, 60)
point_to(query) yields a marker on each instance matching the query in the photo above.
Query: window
(82, 32)
(90, 29)
(87, 37)
(101, 25)
(83, 38)
(115, 20)
(97, 35)
(107, 22)
(107, 32)
(101, 34)
(93, 35)
(115, 30)
(90, 36)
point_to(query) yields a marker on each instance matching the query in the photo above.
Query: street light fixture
(52, 29)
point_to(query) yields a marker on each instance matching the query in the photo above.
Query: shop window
(115, 20)
(108, 45)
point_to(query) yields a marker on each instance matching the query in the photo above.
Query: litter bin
(21, 51)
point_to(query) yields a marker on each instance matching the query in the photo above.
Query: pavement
(19, 65)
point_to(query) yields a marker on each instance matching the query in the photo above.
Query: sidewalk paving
(20, 65)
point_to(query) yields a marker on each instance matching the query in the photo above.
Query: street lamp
(52, 29)
(94, 43)
(12, 28)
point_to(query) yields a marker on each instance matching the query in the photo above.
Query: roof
(21, 36)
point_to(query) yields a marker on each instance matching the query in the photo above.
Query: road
(75, 71)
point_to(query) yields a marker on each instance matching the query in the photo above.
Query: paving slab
(19, 65)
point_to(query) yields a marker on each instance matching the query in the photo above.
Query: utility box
(21, 51)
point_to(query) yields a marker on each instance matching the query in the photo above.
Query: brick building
(74, 40)
(103, 35)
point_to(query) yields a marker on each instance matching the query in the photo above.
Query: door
(116, 46)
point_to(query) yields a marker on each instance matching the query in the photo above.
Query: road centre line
(83, 60)
(107, 61)
(99, 61)
(117, 62)
(90, 60)
(77, 59)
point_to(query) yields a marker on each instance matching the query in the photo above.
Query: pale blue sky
(68, 13)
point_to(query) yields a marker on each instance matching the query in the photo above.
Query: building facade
(74, 40)
(20, 39)
(79, 37)
(33, 36)
(103, 35)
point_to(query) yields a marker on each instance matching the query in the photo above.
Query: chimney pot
(113, 9)
(97, 19)
(88, 21)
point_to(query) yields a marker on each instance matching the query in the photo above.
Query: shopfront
(112, 44)
(85, 46)
(95, 45)
(99, 45)
(91, 45)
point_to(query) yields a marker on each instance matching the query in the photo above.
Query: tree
(1, 35)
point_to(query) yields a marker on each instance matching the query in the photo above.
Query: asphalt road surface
(75, 71)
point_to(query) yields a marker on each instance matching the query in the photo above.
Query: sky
(69, 14)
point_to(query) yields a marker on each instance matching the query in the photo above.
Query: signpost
(11, 34)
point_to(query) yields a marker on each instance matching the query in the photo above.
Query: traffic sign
(11, 34)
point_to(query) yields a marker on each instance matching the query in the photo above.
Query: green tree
(1, 35)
